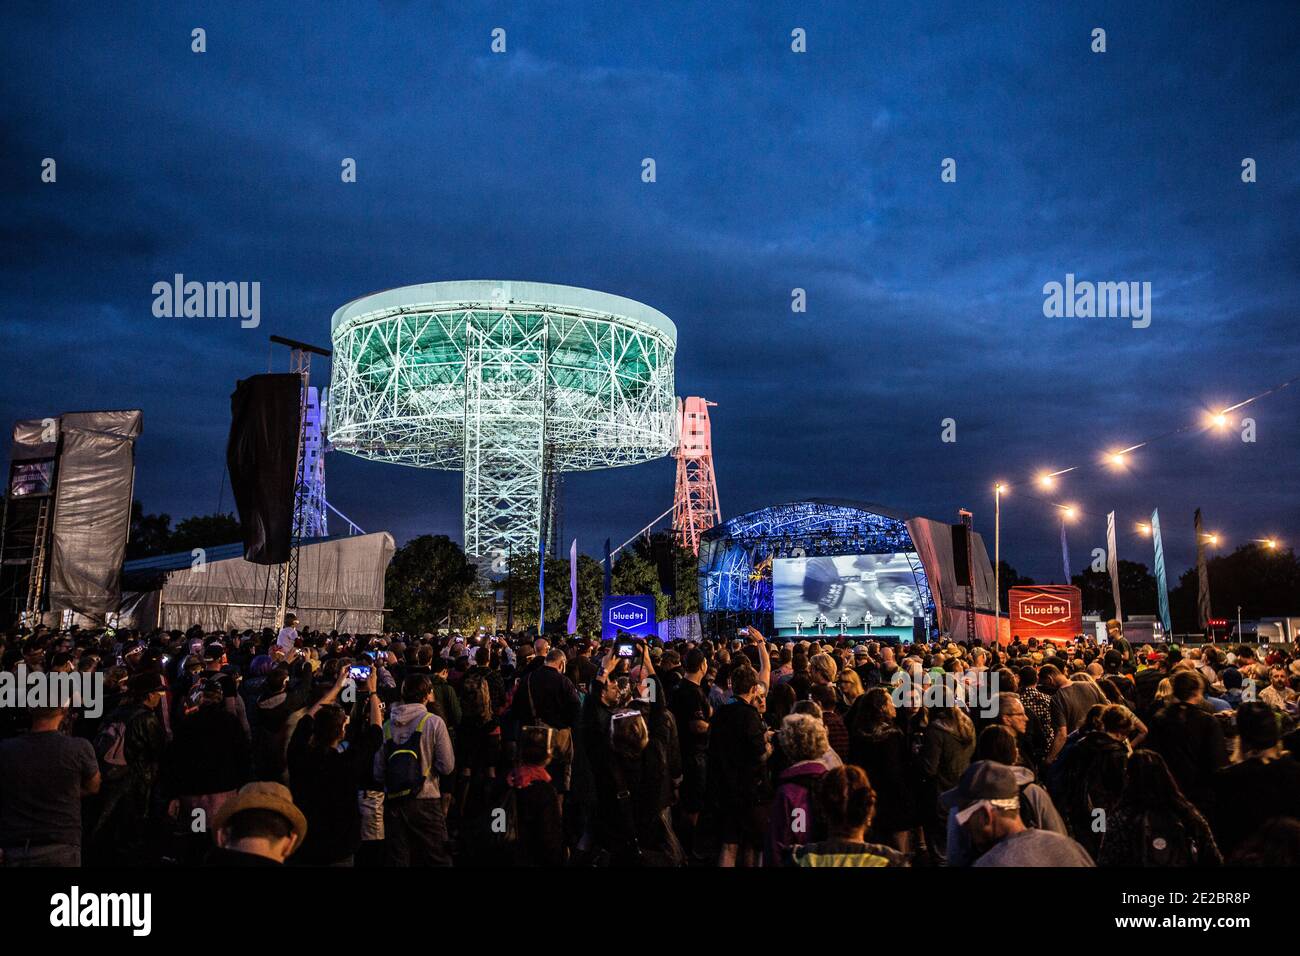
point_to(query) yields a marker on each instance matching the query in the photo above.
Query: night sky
(775, 171)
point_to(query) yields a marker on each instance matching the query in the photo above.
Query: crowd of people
(325, 749)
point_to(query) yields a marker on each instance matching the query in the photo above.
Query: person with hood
(417, 751)
(998, 744)
(1092, 774)
(792, 820)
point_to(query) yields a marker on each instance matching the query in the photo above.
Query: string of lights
(1117, 459)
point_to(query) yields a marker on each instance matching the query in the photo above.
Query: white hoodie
(435, 745)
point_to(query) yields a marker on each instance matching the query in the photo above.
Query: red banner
(1051, 611)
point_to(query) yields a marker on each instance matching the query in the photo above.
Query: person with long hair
(879, 747)
(946, 748)
(1153, 824)
(477, 744)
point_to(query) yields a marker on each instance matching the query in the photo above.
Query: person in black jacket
(880, 748)
(206, 762)
(545, 696)
(287, 689)
(739, 744)
(325, 780)
(1262, 785)
(1190, 739)
(540, 840)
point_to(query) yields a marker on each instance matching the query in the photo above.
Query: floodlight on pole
(999, 490)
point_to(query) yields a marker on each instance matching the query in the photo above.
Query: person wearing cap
(987, 805)
(215, 668)
(259, 826)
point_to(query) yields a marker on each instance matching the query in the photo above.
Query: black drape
(261, 456)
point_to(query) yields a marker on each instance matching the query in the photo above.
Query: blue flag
(1162, 586)
(541, 588)
(573, 587)
(1065, 553)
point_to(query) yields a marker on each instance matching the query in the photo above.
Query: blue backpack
(404, 771)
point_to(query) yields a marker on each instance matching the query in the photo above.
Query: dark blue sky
(775, 171)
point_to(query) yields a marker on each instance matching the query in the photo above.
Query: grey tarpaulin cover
(35, 438)
(933, 543)
(340, 585)
(92, 510)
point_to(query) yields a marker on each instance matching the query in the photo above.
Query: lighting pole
(998, 489)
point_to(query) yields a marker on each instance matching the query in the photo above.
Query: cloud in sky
(775, 171)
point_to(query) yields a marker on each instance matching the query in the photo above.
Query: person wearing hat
(987, 801)
(259, 826)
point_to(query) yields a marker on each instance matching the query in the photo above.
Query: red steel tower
(695, 504)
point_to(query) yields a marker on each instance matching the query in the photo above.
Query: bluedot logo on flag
(629, 614)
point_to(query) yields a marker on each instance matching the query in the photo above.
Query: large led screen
(882, 585)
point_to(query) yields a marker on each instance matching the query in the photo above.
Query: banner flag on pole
(1065, 553)
(1112, 563)
(608, 566)
(541, 588)
(1162, 586)
(1202, 577)
(573, 587)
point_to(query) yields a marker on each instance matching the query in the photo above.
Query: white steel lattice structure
(504, 381)
(311, 519)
